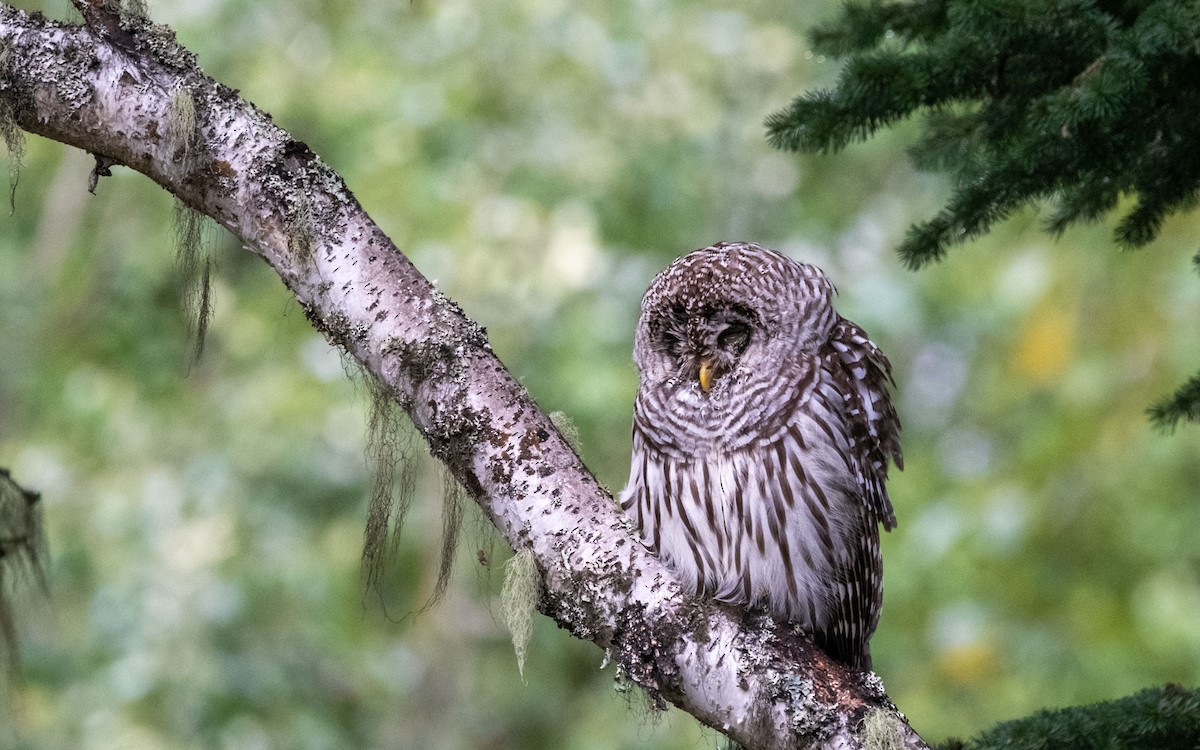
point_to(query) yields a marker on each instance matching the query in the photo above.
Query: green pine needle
(1182, 405)
(1068, 102)
(1166, 717)
(1062, 100)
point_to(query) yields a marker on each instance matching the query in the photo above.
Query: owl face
(726, 333)
(702, 346)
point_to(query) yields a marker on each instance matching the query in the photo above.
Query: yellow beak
(706, 373)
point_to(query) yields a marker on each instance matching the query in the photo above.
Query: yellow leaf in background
(1045, 345)
(968, 663)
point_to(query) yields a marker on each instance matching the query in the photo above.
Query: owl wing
(852, 395)
(862, 374)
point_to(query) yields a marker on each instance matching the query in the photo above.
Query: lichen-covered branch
(124, 90)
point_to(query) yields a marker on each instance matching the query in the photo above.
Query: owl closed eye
(700, 347)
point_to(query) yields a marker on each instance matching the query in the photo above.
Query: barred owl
(761, 437)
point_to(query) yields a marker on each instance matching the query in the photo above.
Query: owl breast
(746, 408)
(756, 524)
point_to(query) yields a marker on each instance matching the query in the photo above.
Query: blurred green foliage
(542, 160)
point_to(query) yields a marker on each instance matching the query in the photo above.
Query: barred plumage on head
(762, 433)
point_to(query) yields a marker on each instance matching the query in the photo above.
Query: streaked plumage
(761, 438)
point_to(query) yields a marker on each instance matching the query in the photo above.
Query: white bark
(107, 87)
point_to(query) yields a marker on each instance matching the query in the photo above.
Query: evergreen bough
(1072, 102)
(1154, 719)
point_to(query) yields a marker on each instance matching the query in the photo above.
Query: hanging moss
(393, 479)
(13, 135)
(391, 460)
(193, 268)
(518, 601)
(193, 265)
(452, 521)
(22, 555)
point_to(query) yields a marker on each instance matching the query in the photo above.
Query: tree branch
(118, 88)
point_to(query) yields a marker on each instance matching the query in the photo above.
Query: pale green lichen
(181, 127)
(518, 601)
(880, 732)
(566, 428)
(299, 230)
(135, 9)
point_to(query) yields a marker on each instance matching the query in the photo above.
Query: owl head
(724, 334)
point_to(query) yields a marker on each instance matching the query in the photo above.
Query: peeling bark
(108, 87)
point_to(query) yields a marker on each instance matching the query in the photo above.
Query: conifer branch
(1155, 718)
(1054, 102)
(1181, 406)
